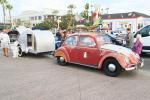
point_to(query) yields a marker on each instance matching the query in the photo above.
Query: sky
(115, 6)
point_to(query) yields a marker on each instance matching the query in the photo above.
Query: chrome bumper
(140, 64)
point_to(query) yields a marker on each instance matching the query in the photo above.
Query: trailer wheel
(111, 67)
(61, 61)
(20, 53)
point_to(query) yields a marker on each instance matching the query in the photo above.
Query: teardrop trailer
(33, 41)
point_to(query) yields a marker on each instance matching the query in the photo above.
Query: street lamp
(107, 9)
(58, 22)
(102, 11)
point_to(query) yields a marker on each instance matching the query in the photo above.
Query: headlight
(127, 60)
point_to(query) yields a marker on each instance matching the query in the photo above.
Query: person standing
(58, 40)
(129, 38)
(63, 36)
(5, 41)
(137, 47)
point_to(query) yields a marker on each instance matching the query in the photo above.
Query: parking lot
(39, 77)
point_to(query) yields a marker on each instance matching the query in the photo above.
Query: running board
(93, 66)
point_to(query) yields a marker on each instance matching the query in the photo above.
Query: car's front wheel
(61, 61)
(111, 67)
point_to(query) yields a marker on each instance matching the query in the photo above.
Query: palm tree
(55, 12)
(71, 7)
(3, 3)
(87, 9)
(9, 8)
(70, 12)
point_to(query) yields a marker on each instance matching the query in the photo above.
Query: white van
(145, 33)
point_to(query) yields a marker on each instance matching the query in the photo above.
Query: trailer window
(29, 39)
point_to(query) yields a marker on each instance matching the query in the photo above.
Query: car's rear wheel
(111, 67)
(61, 61)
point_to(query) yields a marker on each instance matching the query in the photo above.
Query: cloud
(114, 6)
(128, 6)
(22, 5)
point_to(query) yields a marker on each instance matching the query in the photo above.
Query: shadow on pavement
(38, 56)
(81, 67)
(124, 74)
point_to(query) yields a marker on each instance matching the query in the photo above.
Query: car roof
(93, 34)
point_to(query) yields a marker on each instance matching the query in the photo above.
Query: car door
(71, 45)
(88, 52)
(145, 33)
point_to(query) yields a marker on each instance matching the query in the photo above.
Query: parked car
(145, 33)
(116, 40)
(96, 50)
(120, 31)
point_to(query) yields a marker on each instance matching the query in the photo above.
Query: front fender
(62, 52)
(120, 58)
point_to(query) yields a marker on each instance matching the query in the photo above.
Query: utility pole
(107, 9)
(102, 10)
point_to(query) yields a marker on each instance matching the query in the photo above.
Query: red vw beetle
(96, 50)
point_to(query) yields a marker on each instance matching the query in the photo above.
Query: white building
(31, 18)
(133, 20)
(24, 18)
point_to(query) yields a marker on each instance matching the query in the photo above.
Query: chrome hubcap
(62, 59)
(112, 67)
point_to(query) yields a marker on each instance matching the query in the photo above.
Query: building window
(39, 17)
(35, 18)
(32, 18)
(45, 16)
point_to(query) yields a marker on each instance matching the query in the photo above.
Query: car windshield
(103, 39)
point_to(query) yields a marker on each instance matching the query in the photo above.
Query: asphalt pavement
(39, 77)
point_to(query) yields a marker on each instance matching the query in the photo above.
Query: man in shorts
(5, 41)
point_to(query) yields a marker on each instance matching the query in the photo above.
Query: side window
(148, 30)
(72, 40)
(87, 41)
(145, 31)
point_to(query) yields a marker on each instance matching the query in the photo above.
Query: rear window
(103, 39)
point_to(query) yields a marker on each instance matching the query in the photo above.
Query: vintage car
(96, 50)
